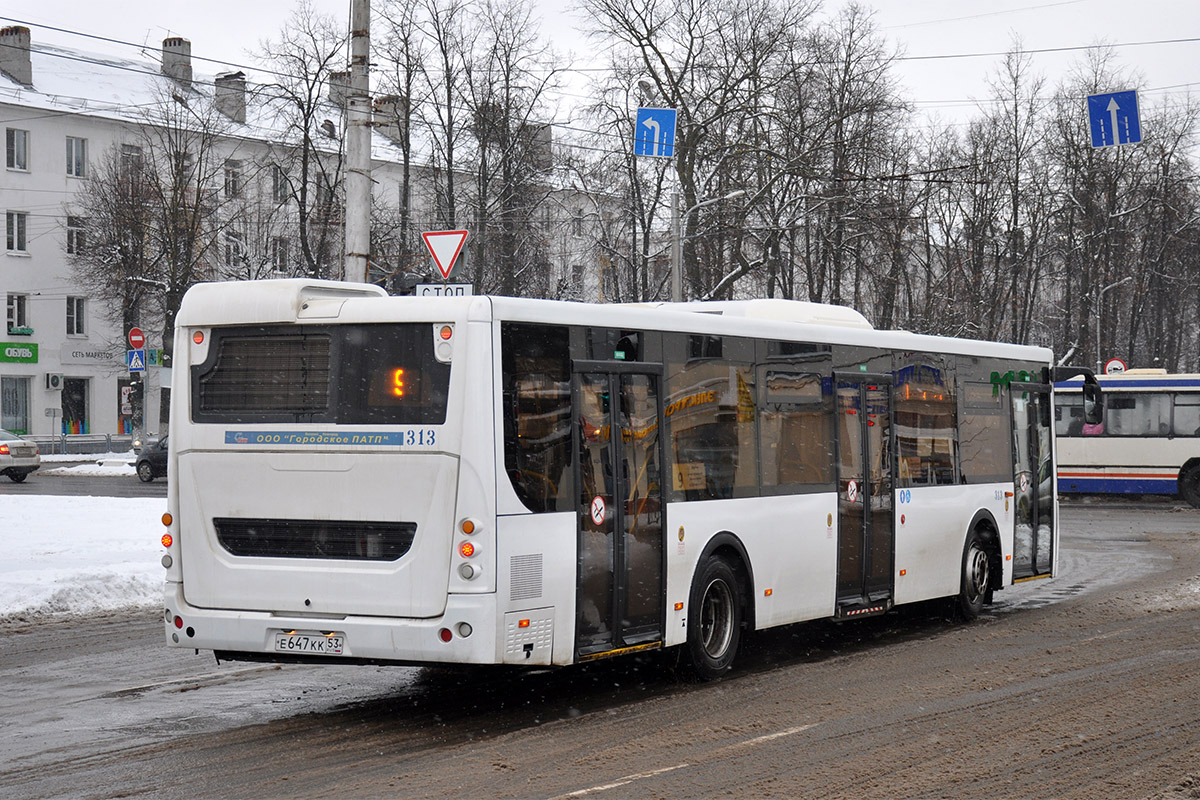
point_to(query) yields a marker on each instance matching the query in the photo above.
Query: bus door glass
(866, 543)
(1033, 470)
(620, 596)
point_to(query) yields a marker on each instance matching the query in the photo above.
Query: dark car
(152, 461)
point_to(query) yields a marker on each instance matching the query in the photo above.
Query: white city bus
(1149, 442)
(490, 480)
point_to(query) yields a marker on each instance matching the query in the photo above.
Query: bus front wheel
(976, 578)
(1189, 486)
(714, 619)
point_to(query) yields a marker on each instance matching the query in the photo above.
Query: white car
(18, 457)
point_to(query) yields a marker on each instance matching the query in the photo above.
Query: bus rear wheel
(1189, 486)
(976, 578)
(714, 619)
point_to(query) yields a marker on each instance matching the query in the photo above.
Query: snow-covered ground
(72, 555)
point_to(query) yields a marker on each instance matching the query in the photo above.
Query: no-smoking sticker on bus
(598, 510)
(852, 491)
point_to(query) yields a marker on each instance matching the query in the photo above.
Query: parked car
(152, 460)
(18, 457)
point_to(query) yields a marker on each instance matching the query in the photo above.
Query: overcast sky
(229, 29)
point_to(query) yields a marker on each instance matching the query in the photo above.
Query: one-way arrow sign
(444, 246)
(1114, 119)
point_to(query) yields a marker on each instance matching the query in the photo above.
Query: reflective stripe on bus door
(1033, 484)
(618, 413)
(866, 537)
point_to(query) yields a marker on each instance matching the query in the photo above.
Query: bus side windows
(797, 432)
(1187, 414)
(925, 413)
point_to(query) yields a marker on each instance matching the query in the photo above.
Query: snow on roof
(128, 90)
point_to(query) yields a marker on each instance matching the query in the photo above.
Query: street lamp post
(677, 221)
(1099, 309)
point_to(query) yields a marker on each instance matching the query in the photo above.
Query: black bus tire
(715, 612)
(1189, 486)
(976, 578)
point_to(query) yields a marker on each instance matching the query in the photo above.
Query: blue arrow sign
(654, 132)
(135, 360)
(1114, 119)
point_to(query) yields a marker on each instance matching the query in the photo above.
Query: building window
(17, 225)
(233, 178)
(233, 249)
(14, 400)
(16, 312)
(76, 235)
(279, 184)
(76, 156)
(279, 253)
(131, 163)
(75, 316)
(577, 223)
(16, 148)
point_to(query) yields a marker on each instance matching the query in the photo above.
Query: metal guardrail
(82, 443)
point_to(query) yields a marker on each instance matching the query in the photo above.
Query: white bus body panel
(929, 517)
(315, 486)
(788, 540)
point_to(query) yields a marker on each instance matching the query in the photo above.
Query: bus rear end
(323, 503)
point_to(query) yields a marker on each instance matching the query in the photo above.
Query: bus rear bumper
(468, 623)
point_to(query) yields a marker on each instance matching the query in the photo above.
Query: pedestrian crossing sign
(136, 360)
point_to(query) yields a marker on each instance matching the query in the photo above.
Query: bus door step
(857, 609)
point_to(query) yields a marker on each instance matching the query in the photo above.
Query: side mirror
(1093, 407)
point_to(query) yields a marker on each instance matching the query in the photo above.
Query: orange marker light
(466, 549)
(167, 540)
(768, 592)
(524, 623)
(679, 606)
(903, 572)
(446, 332)
(167, 519)
(198, 337)
(468, 527)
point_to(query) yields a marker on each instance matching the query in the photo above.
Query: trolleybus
(490, 480)
(1149, 442)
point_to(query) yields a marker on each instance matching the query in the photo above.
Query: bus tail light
(167, 540)
(466, 549)
(445, 634)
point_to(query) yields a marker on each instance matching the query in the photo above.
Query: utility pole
(358, 145)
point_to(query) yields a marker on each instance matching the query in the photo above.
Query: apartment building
(67, 115)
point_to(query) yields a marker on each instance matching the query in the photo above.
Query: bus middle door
(620, 599)
(866, 539)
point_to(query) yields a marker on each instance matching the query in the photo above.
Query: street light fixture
(1099, 308)
(677, 221)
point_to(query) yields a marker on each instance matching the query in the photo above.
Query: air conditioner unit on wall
(54, 381)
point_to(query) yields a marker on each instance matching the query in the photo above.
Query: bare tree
(306, 60)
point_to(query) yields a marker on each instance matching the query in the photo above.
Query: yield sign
(444, 246)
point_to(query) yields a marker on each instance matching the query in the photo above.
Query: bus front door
(618, 415)
(1033, 470)
(866, 543)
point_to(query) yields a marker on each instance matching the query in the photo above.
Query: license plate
(329, 644)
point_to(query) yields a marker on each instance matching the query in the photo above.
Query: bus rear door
(618, 415)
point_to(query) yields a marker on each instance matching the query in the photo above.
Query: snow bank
(75, 555)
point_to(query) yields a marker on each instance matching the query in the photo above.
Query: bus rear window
(382, 374)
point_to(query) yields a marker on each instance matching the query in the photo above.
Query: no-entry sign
(137, 340)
